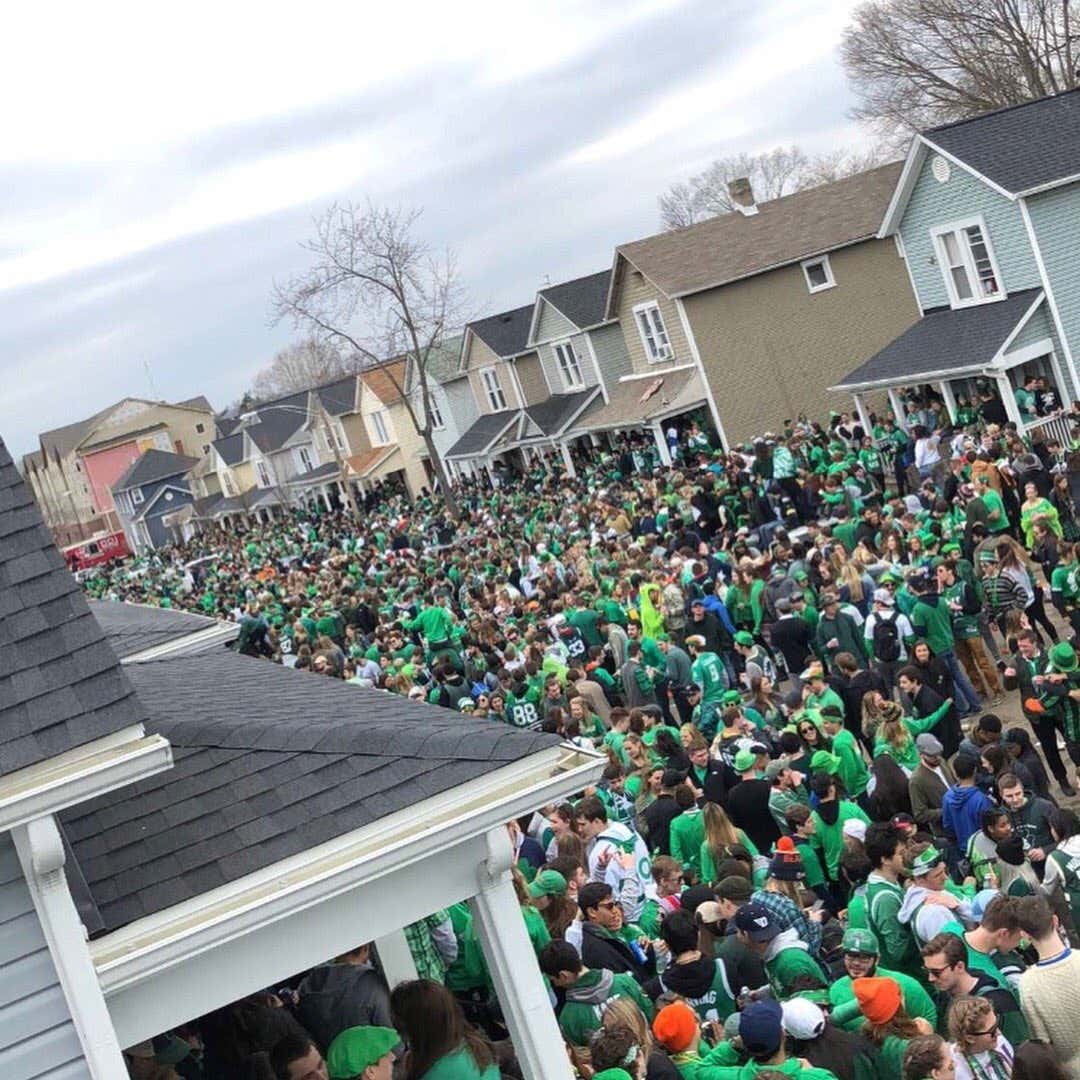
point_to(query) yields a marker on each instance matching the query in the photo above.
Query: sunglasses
(935, 972)
(989, 1031)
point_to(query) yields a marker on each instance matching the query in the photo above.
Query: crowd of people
(816, 849)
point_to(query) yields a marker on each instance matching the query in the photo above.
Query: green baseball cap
(744, 761)
(864, 942)
(823, 761)
(358, 1047)
(547, 883)
(731, 697)
(744, 638)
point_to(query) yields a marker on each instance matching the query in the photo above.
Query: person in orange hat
(677, 1029)
(888, 1026)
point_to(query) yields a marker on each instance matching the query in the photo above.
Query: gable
(478, 354)
(551, 324)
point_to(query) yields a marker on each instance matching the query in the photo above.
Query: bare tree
(376, 289)
(773, 174)
(310, 362)
(918, 63)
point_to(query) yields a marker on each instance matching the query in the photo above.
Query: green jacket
(792, 1068)
(687, 835)
(917, 1002)
(899, 951)
(434, 622)
(829, 839)
(843, 628)
(853, 770)
(587, 998)
(932, 622)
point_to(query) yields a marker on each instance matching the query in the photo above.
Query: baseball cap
(929, 744)
(358, 1047)
(744, 638)
(863, 942)
(754, 920)
(775, 768)
(802, 1019)
(547, 883)
(883, 596)
(761, 1027)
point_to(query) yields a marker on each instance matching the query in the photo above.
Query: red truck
(97, 550)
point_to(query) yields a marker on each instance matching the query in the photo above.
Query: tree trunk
(444, 480)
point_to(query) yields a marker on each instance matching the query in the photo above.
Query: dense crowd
(814, 851)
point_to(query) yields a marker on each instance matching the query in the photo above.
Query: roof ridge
(999, 110)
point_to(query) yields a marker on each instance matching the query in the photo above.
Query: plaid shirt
(787, 915)
(425, 953)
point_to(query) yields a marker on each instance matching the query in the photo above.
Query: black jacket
(602, 950)
(748, 808)
(657, 818)
(791, 636)
(339, 996)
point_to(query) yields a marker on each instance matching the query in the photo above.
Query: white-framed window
(227, 484)
(654, 335)
(818, 274)
(136, 496)
(263, 473)
(967, 262)
(493, 389)
(382, 430)
(437, 422)
(303, 455)
(569, 364)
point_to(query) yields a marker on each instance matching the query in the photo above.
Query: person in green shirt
(707, 671)
(997, 519)
(885, 846)
(787, 959)
(829, 818)
(1065, 584)
(587, 991)
(853, 771)
(687, 833)
(817, 693)
(888, 1025)
(435, 622)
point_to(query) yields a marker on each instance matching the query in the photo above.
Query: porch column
(325, 492)
(662, 447)
(1005, 389)
(594, 439)
(949, 398)
(864, 414)
(897, 408)
(512, 964)
(396, 958)
(568, 461)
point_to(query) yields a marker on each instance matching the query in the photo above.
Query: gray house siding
(459, 413)
(554, 372)
(1038, 327)
(611, 353)
(963, 196)
(552, 324)
(37, 1037)
(1055, 217)
(159, 534)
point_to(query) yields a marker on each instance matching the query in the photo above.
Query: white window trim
(823, 262)
(301, 453)
(640, 309)
(262, 471)
(568, 383)
(496, 396)
(379, 427)
(437, 421)
(136, 492)
(936, 234)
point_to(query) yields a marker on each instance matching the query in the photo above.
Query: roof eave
(894, 212)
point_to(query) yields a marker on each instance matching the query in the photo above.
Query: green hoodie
(829, 836)
(932, 622)
(917, 1002)
(588, 997)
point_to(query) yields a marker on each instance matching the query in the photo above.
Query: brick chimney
(742, 195)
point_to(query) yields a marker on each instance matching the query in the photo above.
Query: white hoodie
(930, 919)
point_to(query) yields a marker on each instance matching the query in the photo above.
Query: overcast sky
(158, 175)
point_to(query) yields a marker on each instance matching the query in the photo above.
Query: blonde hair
(967, 1013)
(893, 730)
(623, 1012)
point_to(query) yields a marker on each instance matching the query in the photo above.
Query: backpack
(886, 639)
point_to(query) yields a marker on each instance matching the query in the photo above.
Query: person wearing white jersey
(617, 856)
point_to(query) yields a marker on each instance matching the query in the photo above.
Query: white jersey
(631, 887)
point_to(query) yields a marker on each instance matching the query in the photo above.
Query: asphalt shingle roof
(734, 246)
(278, 422)
(582, 300)
(554, 413)
(231, 448)
(483, 433)
(1019, 148)
(133, 628)
(61, 685)
(945, 340)
(268, 763)
(506, 334)
(154, 465)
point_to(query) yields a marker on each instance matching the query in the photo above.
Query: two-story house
(987, 216)
(758, 311)
(147, 496)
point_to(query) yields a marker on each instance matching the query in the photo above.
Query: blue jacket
(961, 813)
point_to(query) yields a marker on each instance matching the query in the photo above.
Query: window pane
(647, 334)
(957, 268)
(952, 249)
(815, 274)
(980, 256)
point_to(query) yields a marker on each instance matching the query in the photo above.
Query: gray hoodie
(786, 939)
(926, 921)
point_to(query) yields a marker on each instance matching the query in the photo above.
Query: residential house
(759, 311)
(987, 215)
(132, 905)
(75, 467)
(149, 496)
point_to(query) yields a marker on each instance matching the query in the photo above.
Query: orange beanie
(879, 998)
(674, 1026)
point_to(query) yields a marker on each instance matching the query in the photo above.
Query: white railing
(1057, 426)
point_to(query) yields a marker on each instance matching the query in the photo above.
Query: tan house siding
(636, 289)
(770, 347)
(411, 445)
(530, 375)
(356, 433)
(480, 357)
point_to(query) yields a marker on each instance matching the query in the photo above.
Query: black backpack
(886, 639)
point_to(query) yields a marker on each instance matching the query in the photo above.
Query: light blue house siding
(459, 412)
(1037, 328)
(1055, 218)
(37, 1037)
(611, 354)
(963, 196)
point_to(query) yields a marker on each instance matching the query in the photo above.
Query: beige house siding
(530, 375)
(356, 433)
(770, 347)
(636, 289)
(411, 445)
(506, 381)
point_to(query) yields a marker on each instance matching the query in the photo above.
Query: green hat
(358, 1047)
(547, 883)
(860, 941)
(925, 861)
(744, 761)
(948, 549)
(936, 562)
(731, 697)
(1063, 657)
(744, 638)
(823, 761)
(987, 556)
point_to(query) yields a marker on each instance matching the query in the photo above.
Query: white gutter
(221, 633)
(159, 942)
(81, 774)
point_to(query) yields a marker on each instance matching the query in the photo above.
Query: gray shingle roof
(945, 340)
(338, 397)
(582, 300)
(268, 763)
(1022, 147)
(60, 683)
(554, 413)
(231, 448)
(278, 421)
(483, 433)
(133, 628)
(154, 465)
(506, 334)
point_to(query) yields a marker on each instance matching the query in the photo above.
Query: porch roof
(483, 434)
(945, 343)
(637, 402)
(133, 628)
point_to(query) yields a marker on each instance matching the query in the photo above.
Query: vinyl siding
(1055, 217)
(612, 355)
(460, 414)
(1039, 326)
(554, 372)
(963, 196)
(356, 434)
(770, 348)
(552, 324)
(480, 357)
(636, 289)
(530, 373)
(37, 1037)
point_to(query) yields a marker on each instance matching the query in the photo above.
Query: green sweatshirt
(917, 1002)
(853, 770)
(588, 997)
(899, 950)
(687, 835)
(434, 622)
(932, 622)
(829, 839)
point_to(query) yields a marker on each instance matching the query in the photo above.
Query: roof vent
(742, 195)
(940, 168)
(504, 318)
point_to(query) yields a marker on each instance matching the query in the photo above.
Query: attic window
(818, 273)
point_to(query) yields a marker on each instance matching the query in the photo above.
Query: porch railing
(1046, 428)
